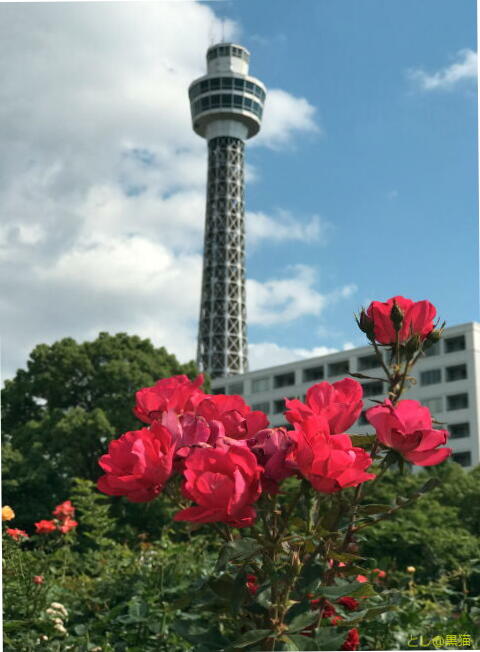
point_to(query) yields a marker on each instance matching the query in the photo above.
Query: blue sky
(362, 183)
(395, 169)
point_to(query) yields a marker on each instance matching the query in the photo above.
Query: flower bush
(252, 482)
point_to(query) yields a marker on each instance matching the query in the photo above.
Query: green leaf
(339, 591)
(362, 440)
(297, 642)
(374, 508)
(239, 550)
(254, 636)
(344, 556)
(364, 590)
(328, 639)
(302, 621)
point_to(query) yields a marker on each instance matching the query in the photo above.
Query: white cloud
(284, 116)
(279, 300)
(269, 354)
(102, 180)
(283, 226)
(464, 68)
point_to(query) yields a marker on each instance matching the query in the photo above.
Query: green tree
(59, 414)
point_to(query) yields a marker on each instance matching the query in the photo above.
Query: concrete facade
(448, 382)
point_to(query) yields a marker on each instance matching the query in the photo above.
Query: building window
(431, 377)
(338, 368)
(457, 372)
(453, 344)
(313, 373)
(235, 388)
(278, 406)
(372, 389)
(284, 380)
(459, 430)
(264, 406)
(434, 349)
(464, 458)
(218, 390)
(367, 362)
(434, 404)
(260, 385)
(457, 402)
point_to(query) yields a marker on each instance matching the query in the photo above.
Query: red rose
(45, 527)
(361, 578)
(417, 319)
(16, 534)
(38, 579)
(237, 418)
(251, 584)
(349, 603)
(138, 464)
(340, 403)
(329, 462)
(67, 525)
(381, 574)
(407, 428)
(272, 445)
(352, 641)
(64, 510)
(178, 393)
(187, 431)
(225, 482)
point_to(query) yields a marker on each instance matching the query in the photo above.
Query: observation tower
(226, 106)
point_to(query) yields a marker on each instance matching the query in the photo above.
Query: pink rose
(67, 524)
(272, 446)
(237, 418)
(177, 393)
(329, 462)
(407, 428)
(224, 482)
(340, 403)
(417, 319)
(187, 431)
(138, 464)
(45, 527)
(64, 510)
(16, 534)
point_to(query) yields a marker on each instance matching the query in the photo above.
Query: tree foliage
(59, 414)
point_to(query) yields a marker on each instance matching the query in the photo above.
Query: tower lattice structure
(226, 106)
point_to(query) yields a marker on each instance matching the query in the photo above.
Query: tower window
(227, 82)
(239, 83)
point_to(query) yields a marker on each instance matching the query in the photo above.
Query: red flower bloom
(381, 574)
(38, 579)
(339, 403)
(349, 603)
(417, 319)
(67, 525)
(361, 578)
(251, 584)
(45, 527)
(352, 641)
(64, 510)
(329, 462)
(177, 393)
(187, 431)
(272, 446)
(224, 482)
(237, 418)
(16, 534)
(407, 428)
(138, 464)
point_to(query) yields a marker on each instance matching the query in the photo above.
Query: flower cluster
(63, 521)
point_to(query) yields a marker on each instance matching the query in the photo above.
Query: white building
(448, 382)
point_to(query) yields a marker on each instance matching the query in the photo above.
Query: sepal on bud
(396, 317)
(365, 324)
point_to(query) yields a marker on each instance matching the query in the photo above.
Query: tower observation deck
(226, 106)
